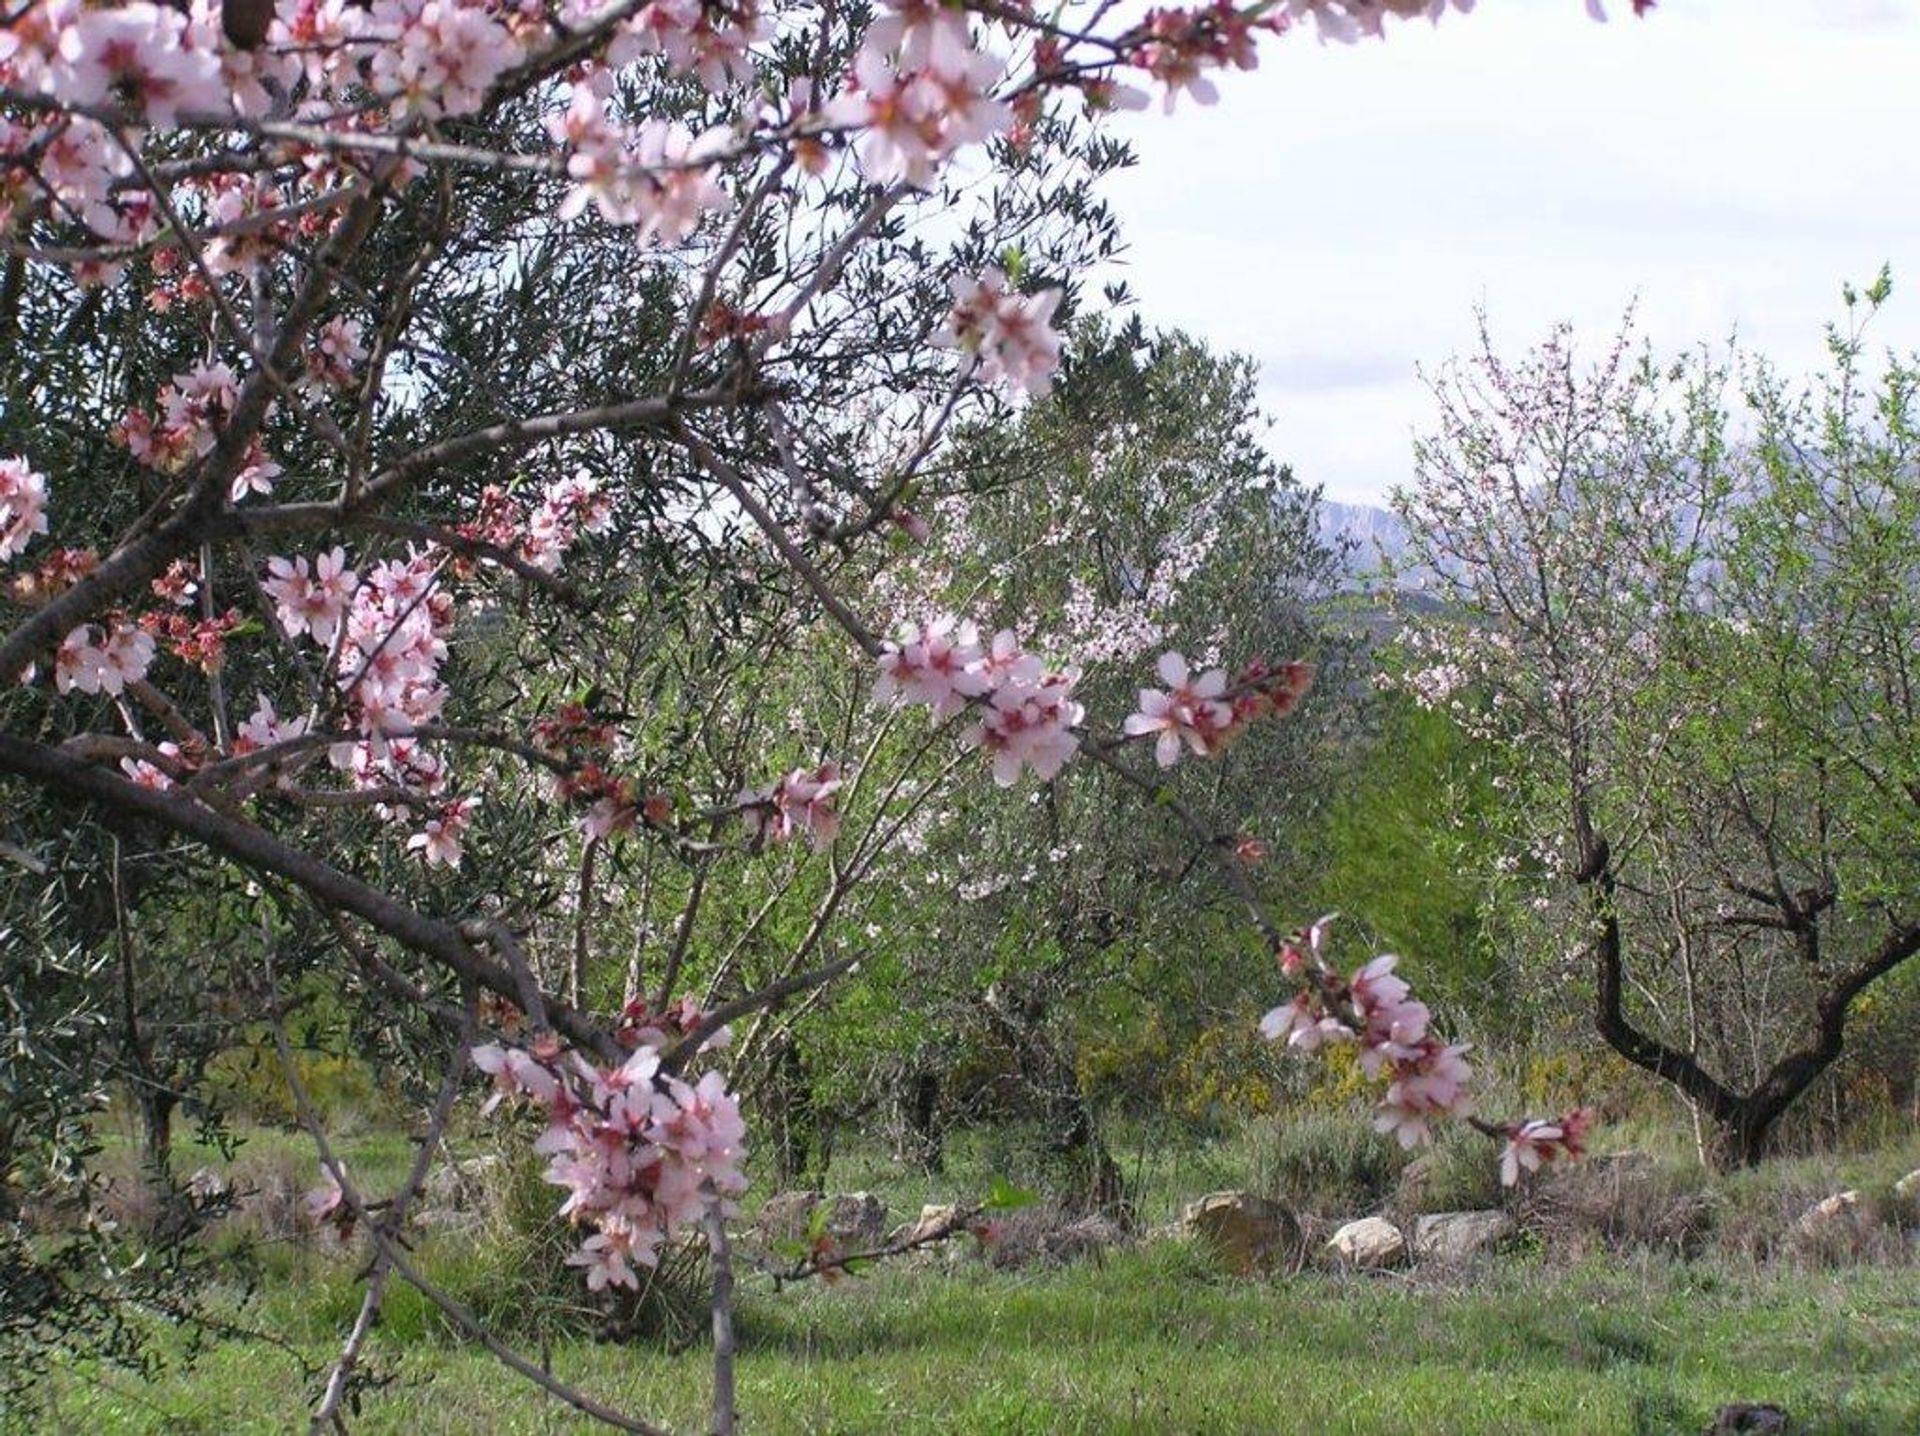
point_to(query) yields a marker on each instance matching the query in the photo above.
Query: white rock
(1369, 1243)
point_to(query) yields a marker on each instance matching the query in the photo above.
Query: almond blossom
(801, 802)
(23, 506)
(1177, 47)
(937, 664)
(1010, 334)
(1538, 1142)
(641, 1155)
(442, 55)
(95, 661)
(920, 91)
(134, 55)
(438, 842)
(311, 598)
(264, 728)
(336, 354)
(1189, 711)
(1029, 723)
(150, 775)
(1426, 1078)
(652, 178)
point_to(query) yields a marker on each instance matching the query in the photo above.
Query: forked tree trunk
(1746, 1123)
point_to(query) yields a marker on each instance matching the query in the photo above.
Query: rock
(1370, 1243)
(854, 1219)
(1453, 1238)
(1741, 1416)
(1247, 1233)
(207, 1185)
(934, 1217)
(459, 1186)
(1834, 1218)
(785, 1216)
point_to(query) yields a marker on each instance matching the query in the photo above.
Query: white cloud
(1343, 209)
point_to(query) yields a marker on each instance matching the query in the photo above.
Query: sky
(1342, 210)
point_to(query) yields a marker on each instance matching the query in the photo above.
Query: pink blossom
(196, 404)
(640, 1155)
(23, 506)
(264, 728)
(1029, 724)
(311, 599)
(336, 354)
(651, 178)
(150, 775)
(439, 841)
(93, 662)
(801, 802)
(711, 44)
(444, 56)
(937, 665)
(1011, 334)
(1190, 711)
(255, 474)
(136, 55)
(913, 111)
(1431, 1084)
(607, 1255)
(1537, 1142)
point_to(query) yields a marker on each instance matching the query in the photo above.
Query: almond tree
(1692, 650)
(358, 401)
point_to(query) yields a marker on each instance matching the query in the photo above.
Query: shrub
(1619, 1203)
(1459, 1173)
(1326, 1163)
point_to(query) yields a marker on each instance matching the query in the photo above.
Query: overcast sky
(1340, 212)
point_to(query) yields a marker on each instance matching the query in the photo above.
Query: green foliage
(1407, 850)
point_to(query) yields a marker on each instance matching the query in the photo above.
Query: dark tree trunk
(1746, 1122)
(156, 1134)
(920, 1111)
(795, 1119)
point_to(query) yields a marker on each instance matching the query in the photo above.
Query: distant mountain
(1364, 534)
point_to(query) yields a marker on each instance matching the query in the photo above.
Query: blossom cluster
(1010, 334)
(921, 90)
(1177, 47)
(1537, 1142)
(1427, 1079)
(648, 177)
(193, 409)
(641, 1155)
(1203, 714)
(801, 802)
(102, 658)
(1027, 714)
(385, 633)
(541, 535)
(1375, 1011)
(23, 506)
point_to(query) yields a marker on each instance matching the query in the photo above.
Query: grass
(1148, 1341)
(1629, 1339)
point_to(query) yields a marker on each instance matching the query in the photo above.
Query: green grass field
(1150, 1341)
